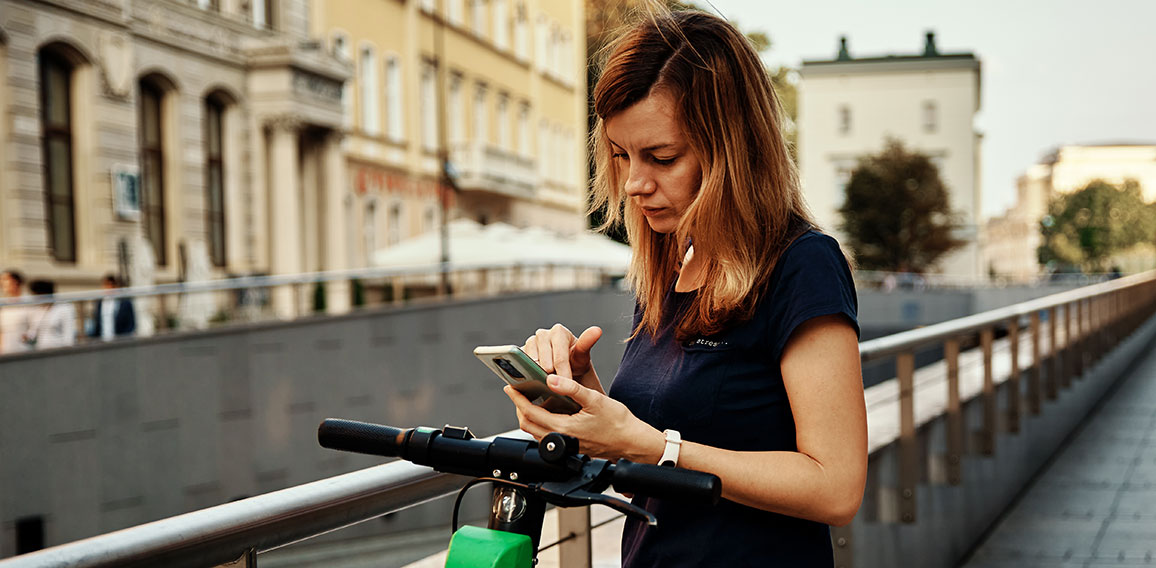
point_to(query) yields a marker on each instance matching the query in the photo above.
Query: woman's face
(661, 172)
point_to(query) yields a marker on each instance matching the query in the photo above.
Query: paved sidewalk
(1095, 504)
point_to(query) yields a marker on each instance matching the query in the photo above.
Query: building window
(524, 129)
(521, 35)
(501, 25)
(394, 224)
(481, 132)
(264, 14)
(457, 110)
(393, 94)
(930, 117)
(844, 119)
(341, 51)
(542, 37)
(478, 17)
(152, 157)
(215, 178)
(429, 219)
(213, 5)
(427, 6)
(369, 231)
(429, 117)
(454, 9)
(56, 140)
(370, 111)
(503, 119)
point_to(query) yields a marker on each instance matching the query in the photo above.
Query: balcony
(482, 167)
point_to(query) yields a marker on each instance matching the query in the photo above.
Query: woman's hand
(605, 428)
(558, 351)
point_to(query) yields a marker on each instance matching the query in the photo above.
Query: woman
(745, 341)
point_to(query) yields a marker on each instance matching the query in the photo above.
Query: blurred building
(1011, 239)
(510, 117)
(167, 129)
(849, 106)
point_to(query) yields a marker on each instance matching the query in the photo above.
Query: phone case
(518, 370)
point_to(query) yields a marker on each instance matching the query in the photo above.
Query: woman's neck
(692, 272)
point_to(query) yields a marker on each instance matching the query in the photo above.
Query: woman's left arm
(823, 481)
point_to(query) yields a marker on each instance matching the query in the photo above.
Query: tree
(897, 215)
(1086, 228)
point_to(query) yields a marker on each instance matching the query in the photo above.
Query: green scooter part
(475, 547)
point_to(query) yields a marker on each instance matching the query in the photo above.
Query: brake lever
(587, 490)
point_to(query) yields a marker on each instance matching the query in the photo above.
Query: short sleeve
(812, 279)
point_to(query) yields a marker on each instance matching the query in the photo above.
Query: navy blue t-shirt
(726, 391)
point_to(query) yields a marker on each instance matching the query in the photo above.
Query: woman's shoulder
(812, 250)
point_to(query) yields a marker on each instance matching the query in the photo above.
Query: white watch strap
(673, 444)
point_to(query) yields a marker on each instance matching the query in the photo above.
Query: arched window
(215, 177)
(481, 120)
(151, 130)
(521, 36)
(501, 25)
(503, 120)
(56, 128)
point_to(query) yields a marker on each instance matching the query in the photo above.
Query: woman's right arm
(558, 351)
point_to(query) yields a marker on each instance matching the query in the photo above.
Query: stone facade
(252, 58)
(849, 106)
(510, 119)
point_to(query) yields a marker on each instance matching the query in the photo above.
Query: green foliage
(1086, 228)
(319, 297)
(897, 214)
(358, 293)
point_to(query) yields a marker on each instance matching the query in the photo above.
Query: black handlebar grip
(684, 485)
(361, 437)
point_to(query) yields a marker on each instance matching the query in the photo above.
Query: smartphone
(523, 373)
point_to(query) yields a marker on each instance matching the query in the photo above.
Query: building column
(335, 254)
(284, 210)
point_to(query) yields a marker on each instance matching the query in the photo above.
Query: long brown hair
(749, 206)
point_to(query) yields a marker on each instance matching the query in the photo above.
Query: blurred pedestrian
(50, 325)
(115, 317)
(13, 319)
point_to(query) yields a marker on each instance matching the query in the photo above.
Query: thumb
(569, 387)
(585, 343)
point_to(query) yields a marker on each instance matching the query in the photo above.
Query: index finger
(560, 341)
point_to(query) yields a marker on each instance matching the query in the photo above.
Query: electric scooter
(527, 476)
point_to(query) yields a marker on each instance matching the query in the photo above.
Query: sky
(1054, 71)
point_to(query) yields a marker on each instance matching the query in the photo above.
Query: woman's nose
(637, 182)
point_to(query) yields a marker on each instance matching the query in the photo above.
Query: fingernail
(555, 380)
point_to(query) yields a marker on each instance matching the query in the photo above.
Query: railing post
(987, 434)
(1082, 332)
(1034, 375)
(574, 537)
(844, 553)
(247, 560)
(954, 414)
(1053, 357)
(1014, 405)
(1069, 344)
(908, 452)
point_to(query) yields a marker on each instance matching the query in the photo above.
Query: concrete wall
(103, 437)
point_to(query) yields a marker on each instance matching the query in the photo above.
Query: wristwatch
(673, 444)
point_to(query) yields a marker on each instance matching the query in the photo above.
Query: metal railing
(1091, 321)
(285, 297)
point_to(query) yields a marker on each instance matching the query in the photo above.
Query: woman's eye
(664, 162)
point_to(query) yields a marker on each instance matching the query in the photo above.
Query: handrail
(225, 533)
(891, 345)
(244, 282)
(228, 532)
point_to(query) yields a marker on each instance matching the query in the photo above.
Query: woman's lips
(652, 211)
